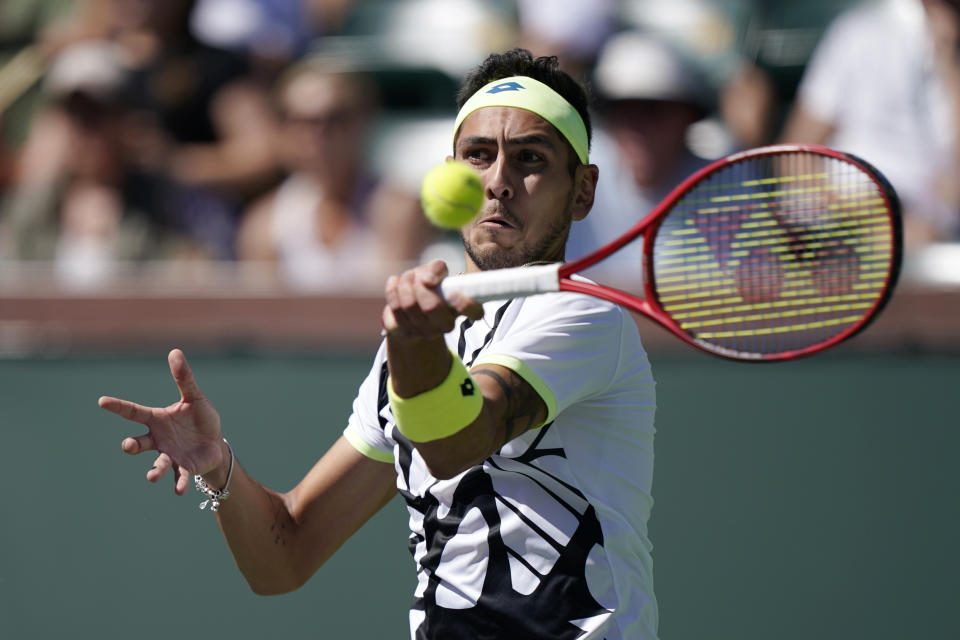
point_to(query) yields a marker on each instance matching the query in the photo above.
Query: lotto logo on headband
(523, 92)
(506, 86)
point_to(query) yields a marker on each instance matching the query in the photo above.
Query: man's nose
(499, 186)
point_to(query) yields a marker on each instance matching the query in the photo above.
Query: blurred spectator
(884, 84)
(449, 35)
(30, 32)
(202, 122)
(724, 39)
(748, 105)
(329, 16)
(648, 97)
(175, 131)
(271, 34)
(331, 223)
(68, 204)
(572, 30)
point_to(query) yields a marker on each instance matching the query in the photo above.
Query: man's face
(325, 120)
(531, 197)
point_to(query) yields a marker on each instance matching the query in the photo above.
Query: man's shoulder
(569, 304)
(573, 315)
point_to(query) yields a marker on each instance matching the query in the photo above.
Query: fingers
(160, 467)
(389, 321)
(126, 409)
(415, 308)
(135, 412)
(183, 376)
(181, 481)
(465, 306)
(433, 272)
(169, 428)
(138, 444)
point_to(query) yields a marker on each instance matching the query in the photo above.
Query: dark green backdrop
(815, 499)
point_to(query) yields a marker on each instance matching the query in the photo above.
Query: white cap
(92, 67)
(637, 66)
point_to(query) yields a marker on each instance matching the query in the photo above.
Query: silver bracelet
(215, 496)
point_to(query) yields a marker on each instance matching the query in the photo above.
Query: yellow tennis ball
(451, 195)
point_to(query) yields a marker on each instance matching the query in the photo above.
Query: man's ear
(585, 186)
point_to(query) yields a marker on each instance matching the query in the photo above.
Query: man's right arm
(279, 540)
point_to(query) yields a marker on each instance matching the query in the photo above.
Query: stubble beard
(550, 248)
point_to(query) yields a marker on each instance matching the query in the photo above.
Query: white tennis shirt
(548, 537)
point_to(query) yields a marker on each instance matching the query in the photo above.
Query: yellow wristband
(441, 411)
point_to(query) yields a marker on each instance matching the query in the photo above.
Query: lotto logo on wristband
(439, 412)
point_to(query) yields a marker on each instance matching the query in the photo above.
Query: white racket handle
(496, 284)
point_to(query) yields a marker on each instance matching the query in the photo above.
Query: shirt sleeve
(364, 430)
(566, 346)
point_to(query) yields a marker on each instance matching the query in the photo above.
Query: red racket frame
(649, 226)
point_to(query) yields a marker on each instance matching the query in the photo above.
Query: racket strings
(774, 253)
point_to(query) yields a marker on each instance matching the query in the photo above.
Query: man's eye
(529, 156)
(474, 155)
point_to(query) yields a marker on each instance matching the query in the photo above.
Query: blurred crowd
(292, 134)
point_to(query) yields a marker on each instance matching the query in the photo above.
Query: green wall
(798, 500)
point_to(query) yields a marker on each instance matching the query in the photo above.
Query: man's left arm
(415, 318)
(510, 407)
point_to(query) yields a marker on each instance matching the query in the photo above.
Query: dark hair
(520, 62)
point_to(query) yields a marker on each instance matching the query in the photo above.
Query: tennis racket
(768, 254)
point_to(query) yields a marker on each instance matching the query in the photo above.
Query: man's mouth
(499, 219)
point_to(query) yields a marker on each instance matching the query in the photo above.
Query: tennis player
(520, 432)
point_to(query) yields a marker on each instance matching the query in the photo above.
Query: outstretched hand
(186, 434)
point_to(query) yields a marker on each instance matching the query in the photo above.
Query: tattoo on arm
(279, 527)
(523, 403)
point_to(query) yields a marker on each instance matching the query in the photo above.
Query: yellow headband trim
(532, 95)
